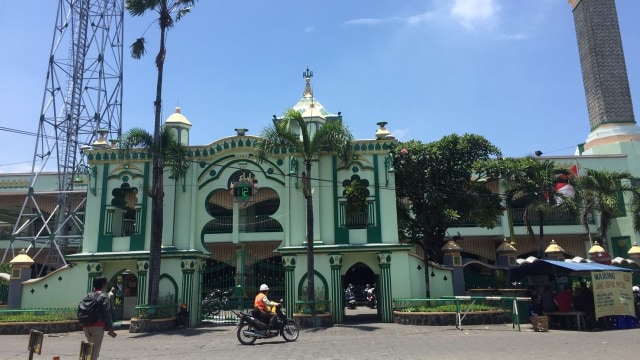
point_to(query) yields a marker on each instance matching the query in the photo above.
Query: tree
(331, 138)
(174, 157)
(508, 172)
(166, 10)
(532, 184)
(603, 190)
(435, 182)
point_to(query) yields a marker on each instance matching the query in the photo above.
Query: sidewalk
(364, 340)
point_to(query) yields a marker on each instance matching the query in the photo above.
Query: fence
(462, 305)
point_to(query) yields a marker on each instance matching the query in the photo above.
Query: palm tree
(166, 10)
(601, 190)
(176, 158)
(331, 137)
(533, 186)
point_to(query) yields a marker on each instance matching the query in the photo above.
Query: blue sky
(504, 69)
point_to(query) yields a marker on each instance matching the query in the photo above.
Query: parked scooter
(217, 300)
(350, 297)
(370, 293)
(252, 327)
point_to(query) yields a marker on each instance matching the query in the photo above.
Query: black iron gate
(244, 282)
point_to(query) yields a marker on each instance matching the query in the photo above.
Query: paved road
(354, 340)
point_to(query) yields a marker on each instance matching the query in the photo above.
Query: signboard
(243, 185)
(612, 293)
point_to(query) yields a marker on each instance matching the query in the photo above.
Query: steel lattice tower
(82, 98)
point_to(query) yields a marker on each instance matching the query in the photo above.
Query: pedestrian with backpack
(94, 313)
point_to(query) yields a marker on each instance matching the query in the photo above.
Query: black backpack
(89, 308)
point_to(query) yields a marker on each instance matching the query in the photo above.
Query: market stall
(611, 285)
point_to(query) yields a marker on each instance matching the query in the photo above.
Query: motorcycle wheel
(290, 331)
(210, 309)
(246, 340)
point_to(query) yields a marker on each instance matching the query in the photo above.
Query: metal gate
(242, 272)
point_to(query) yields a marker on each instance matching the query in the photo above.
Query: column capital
(142, 266)
(94, 268)
(188, 265)
(384, 259)
(289, 261)
(335, 260)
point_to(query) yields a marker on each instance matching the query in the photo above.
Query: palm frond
(140, 7)
(138, 49)
(137, 138)
(333, 137)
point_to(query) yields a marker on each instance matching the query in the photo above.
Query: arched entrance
(360, 275)
(126, 297)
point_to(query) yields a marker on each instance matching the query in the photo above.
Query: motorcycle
(372, 301)
(252, 327)
(350, 298)
(216, 301)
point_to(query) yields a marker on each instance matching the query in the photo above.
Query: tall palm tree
(174, 157)
(166, 10)
(603, 191)
(331, 137)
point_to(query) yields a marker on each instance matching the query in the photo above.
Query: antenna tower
(82, 100)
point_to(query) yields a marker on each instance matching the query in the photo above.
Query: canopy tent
(611, 285)
(555, 267)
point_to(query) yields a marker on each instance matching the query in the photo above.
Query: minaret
(180, 126)
(604, 73)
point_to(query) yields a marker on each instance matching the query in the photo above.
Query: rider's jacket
(261, 302)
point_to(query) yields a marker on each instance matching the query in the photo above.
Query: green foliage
(38, 315)
(437, 185)
(531, 183)
(356, 194)
(603, 191)
(449, 308)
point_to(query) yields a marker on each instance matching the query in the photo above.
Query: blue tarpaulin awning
(552, 267)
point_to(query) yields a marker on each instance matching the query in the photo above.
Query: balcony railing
(250, 224)
(553, 217)
(357, 221)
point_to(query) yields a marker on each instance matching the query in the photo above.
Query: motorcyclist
(263, 305)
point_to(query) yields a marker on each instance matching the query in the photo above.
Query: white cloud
(400, 134)
(514, 37)
(471, 13)
(409, 20)
(309, 29)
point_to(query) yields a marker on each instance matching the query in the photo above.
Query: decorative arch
(167, 285)
(323, 294)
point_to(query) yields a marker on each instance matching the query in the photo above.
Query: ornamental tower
(604, 73)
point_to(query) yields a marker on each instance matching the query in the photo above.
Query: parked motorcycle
(350, 298)
(252, 327)
(217, 300)
(370, 293)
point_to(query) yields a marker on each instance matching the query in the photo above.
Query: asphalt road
(359, 338)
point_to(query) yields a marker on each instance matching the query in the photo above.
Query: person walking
(94, 332)
(112, 302)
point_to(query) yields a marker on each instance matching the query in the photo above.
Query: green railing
(37, 315)
(312, 307)
(156, 311)
(444, 305)
(463, 305)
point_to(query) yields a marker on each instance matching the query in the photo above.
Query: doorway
(359, 276)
